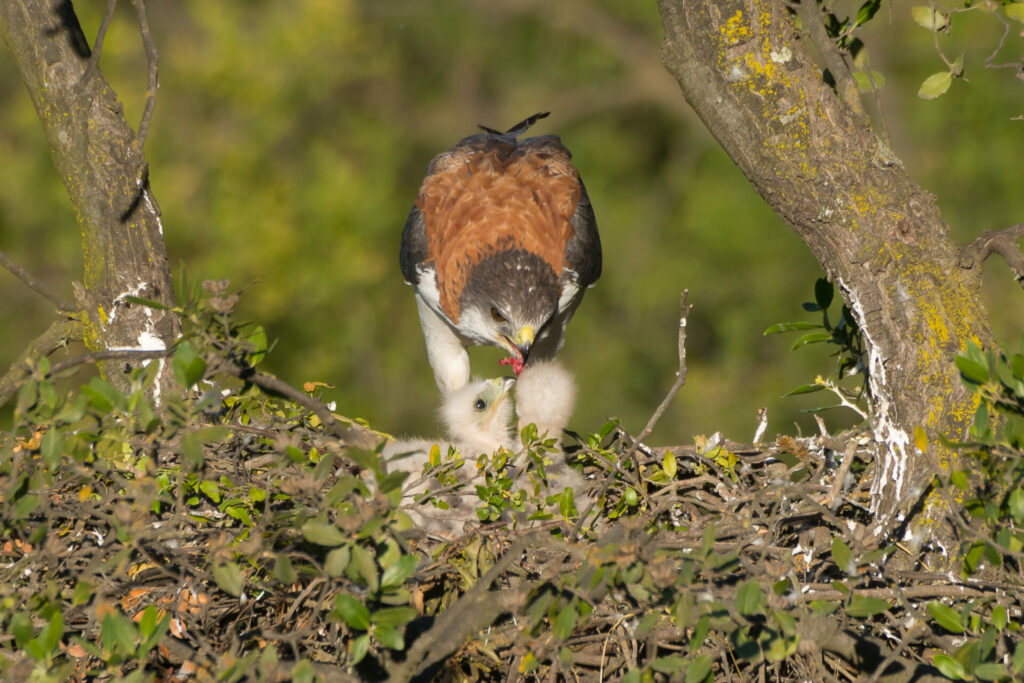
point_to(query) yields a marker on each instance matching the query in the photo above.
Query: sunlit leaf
(1015, 11)
(946, 617)
(930, 18)
(935, 85)
(352, 611)
(949, 667)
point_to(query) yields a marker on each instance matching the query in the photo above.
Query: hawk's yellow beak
(524, 337)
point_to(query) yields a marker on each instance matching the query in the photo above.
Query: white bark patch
(894, 444)
(148, 339)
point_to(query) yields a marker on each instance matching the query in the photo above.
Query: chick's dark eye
(480, 404)
(496, 315)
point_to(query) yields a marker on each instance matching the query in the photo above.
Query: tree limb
(1003, 242)
(152, 63)
(352, 435)
(810, 16)
(97, 45)
(35, 285)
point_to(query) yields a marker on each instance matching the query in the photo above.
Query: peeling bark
(743, 66)
(102, 167)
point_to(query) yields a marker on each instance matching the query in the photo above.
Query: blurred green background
(289, 140)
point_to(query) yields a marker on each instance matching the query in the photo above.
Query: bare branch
(97, 46)
(152, 61)
(35, 284)
(810, 15)
(1002, 242)
(352, 435)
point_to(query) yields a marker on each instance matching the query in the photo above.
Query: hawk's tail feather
(518, 129)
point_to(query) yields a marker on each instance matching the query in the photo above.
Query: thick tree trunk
(97, 156)
(745, 69)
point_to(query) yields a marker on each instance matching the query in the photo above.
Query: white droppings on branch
(893, 454)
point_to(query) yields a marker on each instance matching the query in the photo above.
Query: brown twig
(152, 62)
(356, 436)
(1003, 242)
(97, 46)
(35, 285)
(846, 86)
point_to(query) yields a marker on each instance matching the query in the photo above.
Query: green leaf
(146, 302)
(999, 618)
(749, 598)
(971, 369)
(192, 449)
(668, 464)
(669, 665)
(1015, 11)
(322, 533)
(51, 634)
(388, 637)
(1017, 505)
(211, 489)
(393, 616)
(990, 671)
(929, 18)
(804, 389)
(188, 365)
(337, 560)
(102, 395)
(229, 578)
(117, 634)
(935, 85)
(949, 667)
(861, 606)
(82, 593)
(365, 567)
(876, 81)
(565, 622)
(352, 611)
(147, 622)
(778, 328)
(843, 557)
(811, 338)
(359, 647)
(397, 573)
(946, 617)
(283, 570)
(25, 505)
(52, 448)
(699, 669)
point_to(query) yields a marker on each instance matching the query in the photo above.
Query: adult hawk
(500, 244)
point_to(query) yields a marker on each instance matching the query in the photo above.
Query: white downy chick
(477, 420)
(545, 395)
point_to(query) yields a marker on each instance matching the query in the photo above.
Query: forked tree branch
(1005, 242)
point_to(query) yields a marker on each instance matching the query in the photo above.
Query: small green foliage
(843, 334)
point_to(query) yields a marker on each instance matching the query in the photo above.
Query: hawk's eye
(496, 316)
(480, 404)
